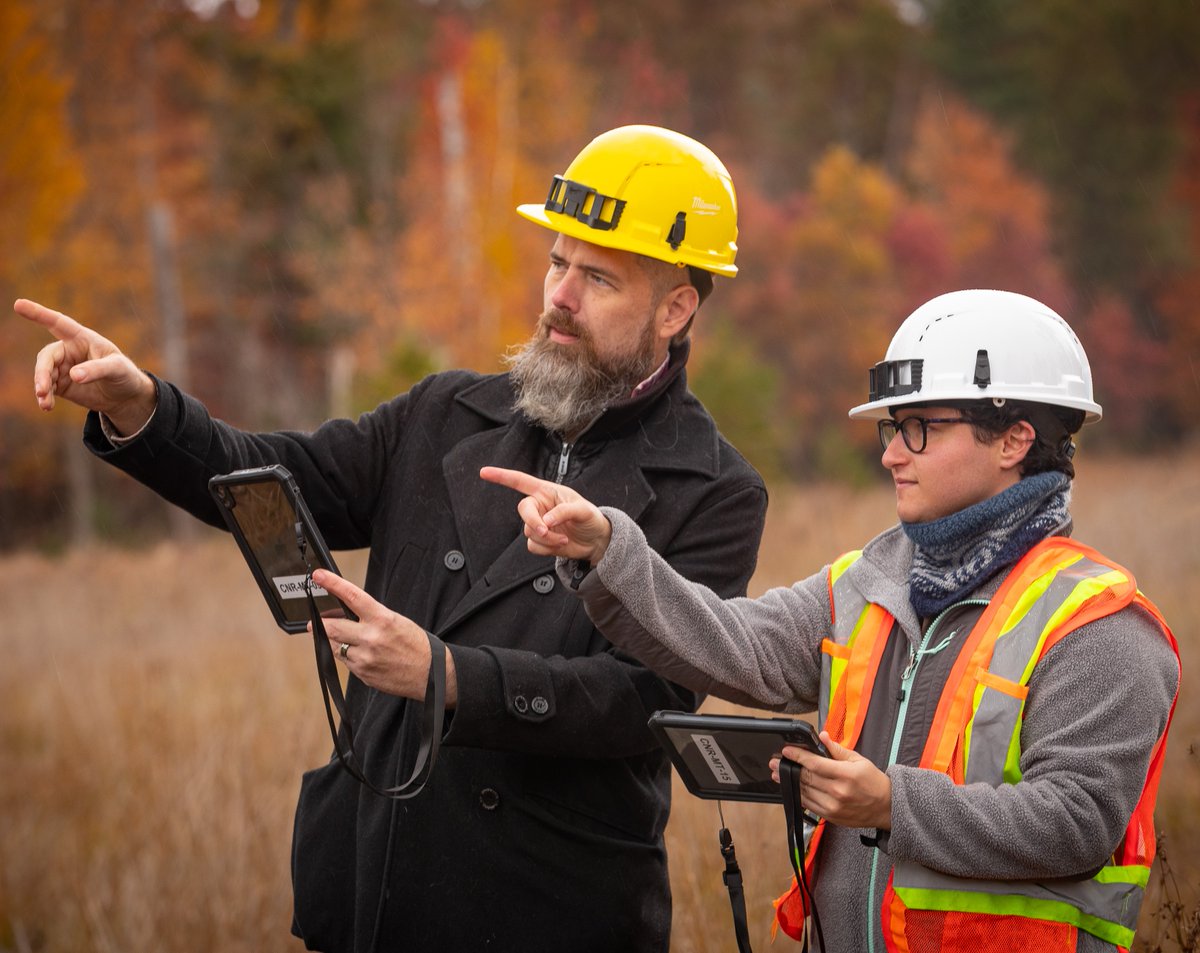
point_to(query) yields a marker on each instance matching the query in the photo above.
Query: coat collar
(675, 431)
(665, 429)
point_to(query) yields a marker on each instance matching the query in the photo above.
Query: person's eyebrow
(606, 273)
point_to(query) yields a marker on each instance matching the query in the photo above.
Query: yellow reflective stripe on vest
(844, 600)
(1087, 905)
(843, 562)
(1047, 602)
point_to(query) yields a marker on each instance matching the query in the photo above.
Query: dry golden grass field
(154, 724)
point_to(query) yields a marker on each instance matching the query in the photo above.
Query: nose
(563, 290)
(895, 453)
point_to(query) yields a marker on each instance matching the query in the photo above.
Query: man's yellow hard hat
(647, 190)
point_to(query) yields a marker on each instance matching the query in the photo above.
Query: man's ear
(676, 309)
(1016, 443)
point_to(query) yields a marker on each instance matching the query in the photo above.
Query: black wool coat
(541, 828)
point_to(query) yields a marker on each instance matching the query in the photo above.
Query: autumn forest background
(297, 208)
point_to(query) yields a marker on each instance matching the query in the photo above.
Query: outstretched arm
(763, 652)
(88, 369)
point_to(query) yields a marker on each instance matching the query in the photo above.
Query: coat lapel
(489, 529)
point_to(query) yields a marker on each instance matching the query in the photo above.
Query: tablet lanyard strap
(432, 717)
(793, 810)
(732, 876)
(789, 780)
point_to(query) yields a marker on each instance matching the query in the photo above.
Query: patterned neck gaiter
(958, 553)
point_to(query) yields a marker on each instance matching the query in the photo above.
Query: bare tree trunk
(243, 374)
(285, 26)
(906, 95)
(504, 176)
(460, 222)
(168, 291)
(341, 381)
(81, 488)
(160, 228)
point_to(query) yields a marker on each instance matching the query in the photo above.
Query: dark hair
(702, 281)
(664, 279)
(1052, 446)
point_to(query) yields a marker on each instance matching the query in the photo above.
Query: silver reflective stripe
(1114, 901)
(823, 696)
(991, 735)
(848, 607)
(995, 721)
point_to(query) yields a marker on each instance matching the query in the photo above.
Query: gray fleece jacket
(1097, 703)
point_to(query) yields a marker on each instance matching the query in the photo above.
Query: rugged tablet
(282, 545)
(726, 757)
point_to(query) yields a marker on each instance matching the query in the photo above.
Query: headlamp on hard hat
(584, 204)
(895, 378)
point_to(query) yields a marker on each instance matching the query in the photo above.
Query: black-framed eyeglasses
(914, 430)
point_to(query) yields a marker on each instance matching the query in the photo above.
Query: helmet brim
(881, 409)
(566, 225)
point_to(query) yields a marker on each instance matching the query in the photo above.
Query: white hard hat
(979, 345)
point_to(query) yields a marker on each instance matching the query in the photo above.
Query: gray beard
(565, 388)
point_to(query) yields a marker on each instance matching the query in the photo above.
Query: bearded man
(541, 825)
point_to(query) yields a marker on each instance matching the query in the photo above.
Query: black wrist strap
(793, 810)
(432, 718)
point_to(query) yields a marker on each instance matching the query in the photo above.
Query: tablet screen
(266, 521)
(727, 757)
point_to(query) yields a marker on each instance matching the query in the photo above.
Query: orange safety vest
(1057, 587)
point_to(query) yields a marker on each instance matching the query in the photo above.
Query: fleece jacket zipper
(906, 681)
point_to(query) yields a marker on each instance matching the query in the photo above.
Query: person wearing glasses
(995, 695)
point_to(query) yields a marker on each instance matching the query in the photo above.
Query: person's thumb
(836, 751)
(112, 368)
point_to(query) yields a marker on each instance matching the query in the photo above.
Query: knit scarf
(958, 553)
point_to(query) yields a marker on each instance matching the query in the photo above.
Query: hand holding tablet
(727, 757)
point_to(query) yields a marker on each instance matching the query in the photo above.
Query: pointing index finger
(513, 479)
(57, 323)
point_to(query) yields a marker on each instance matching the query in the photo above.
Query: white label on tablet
(714, 757)
(292, 587)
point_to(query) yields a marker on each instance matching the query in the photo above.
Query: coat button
(543, 584)
(539, 705)
(454, 560)
(521, 704)
(489, 799)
